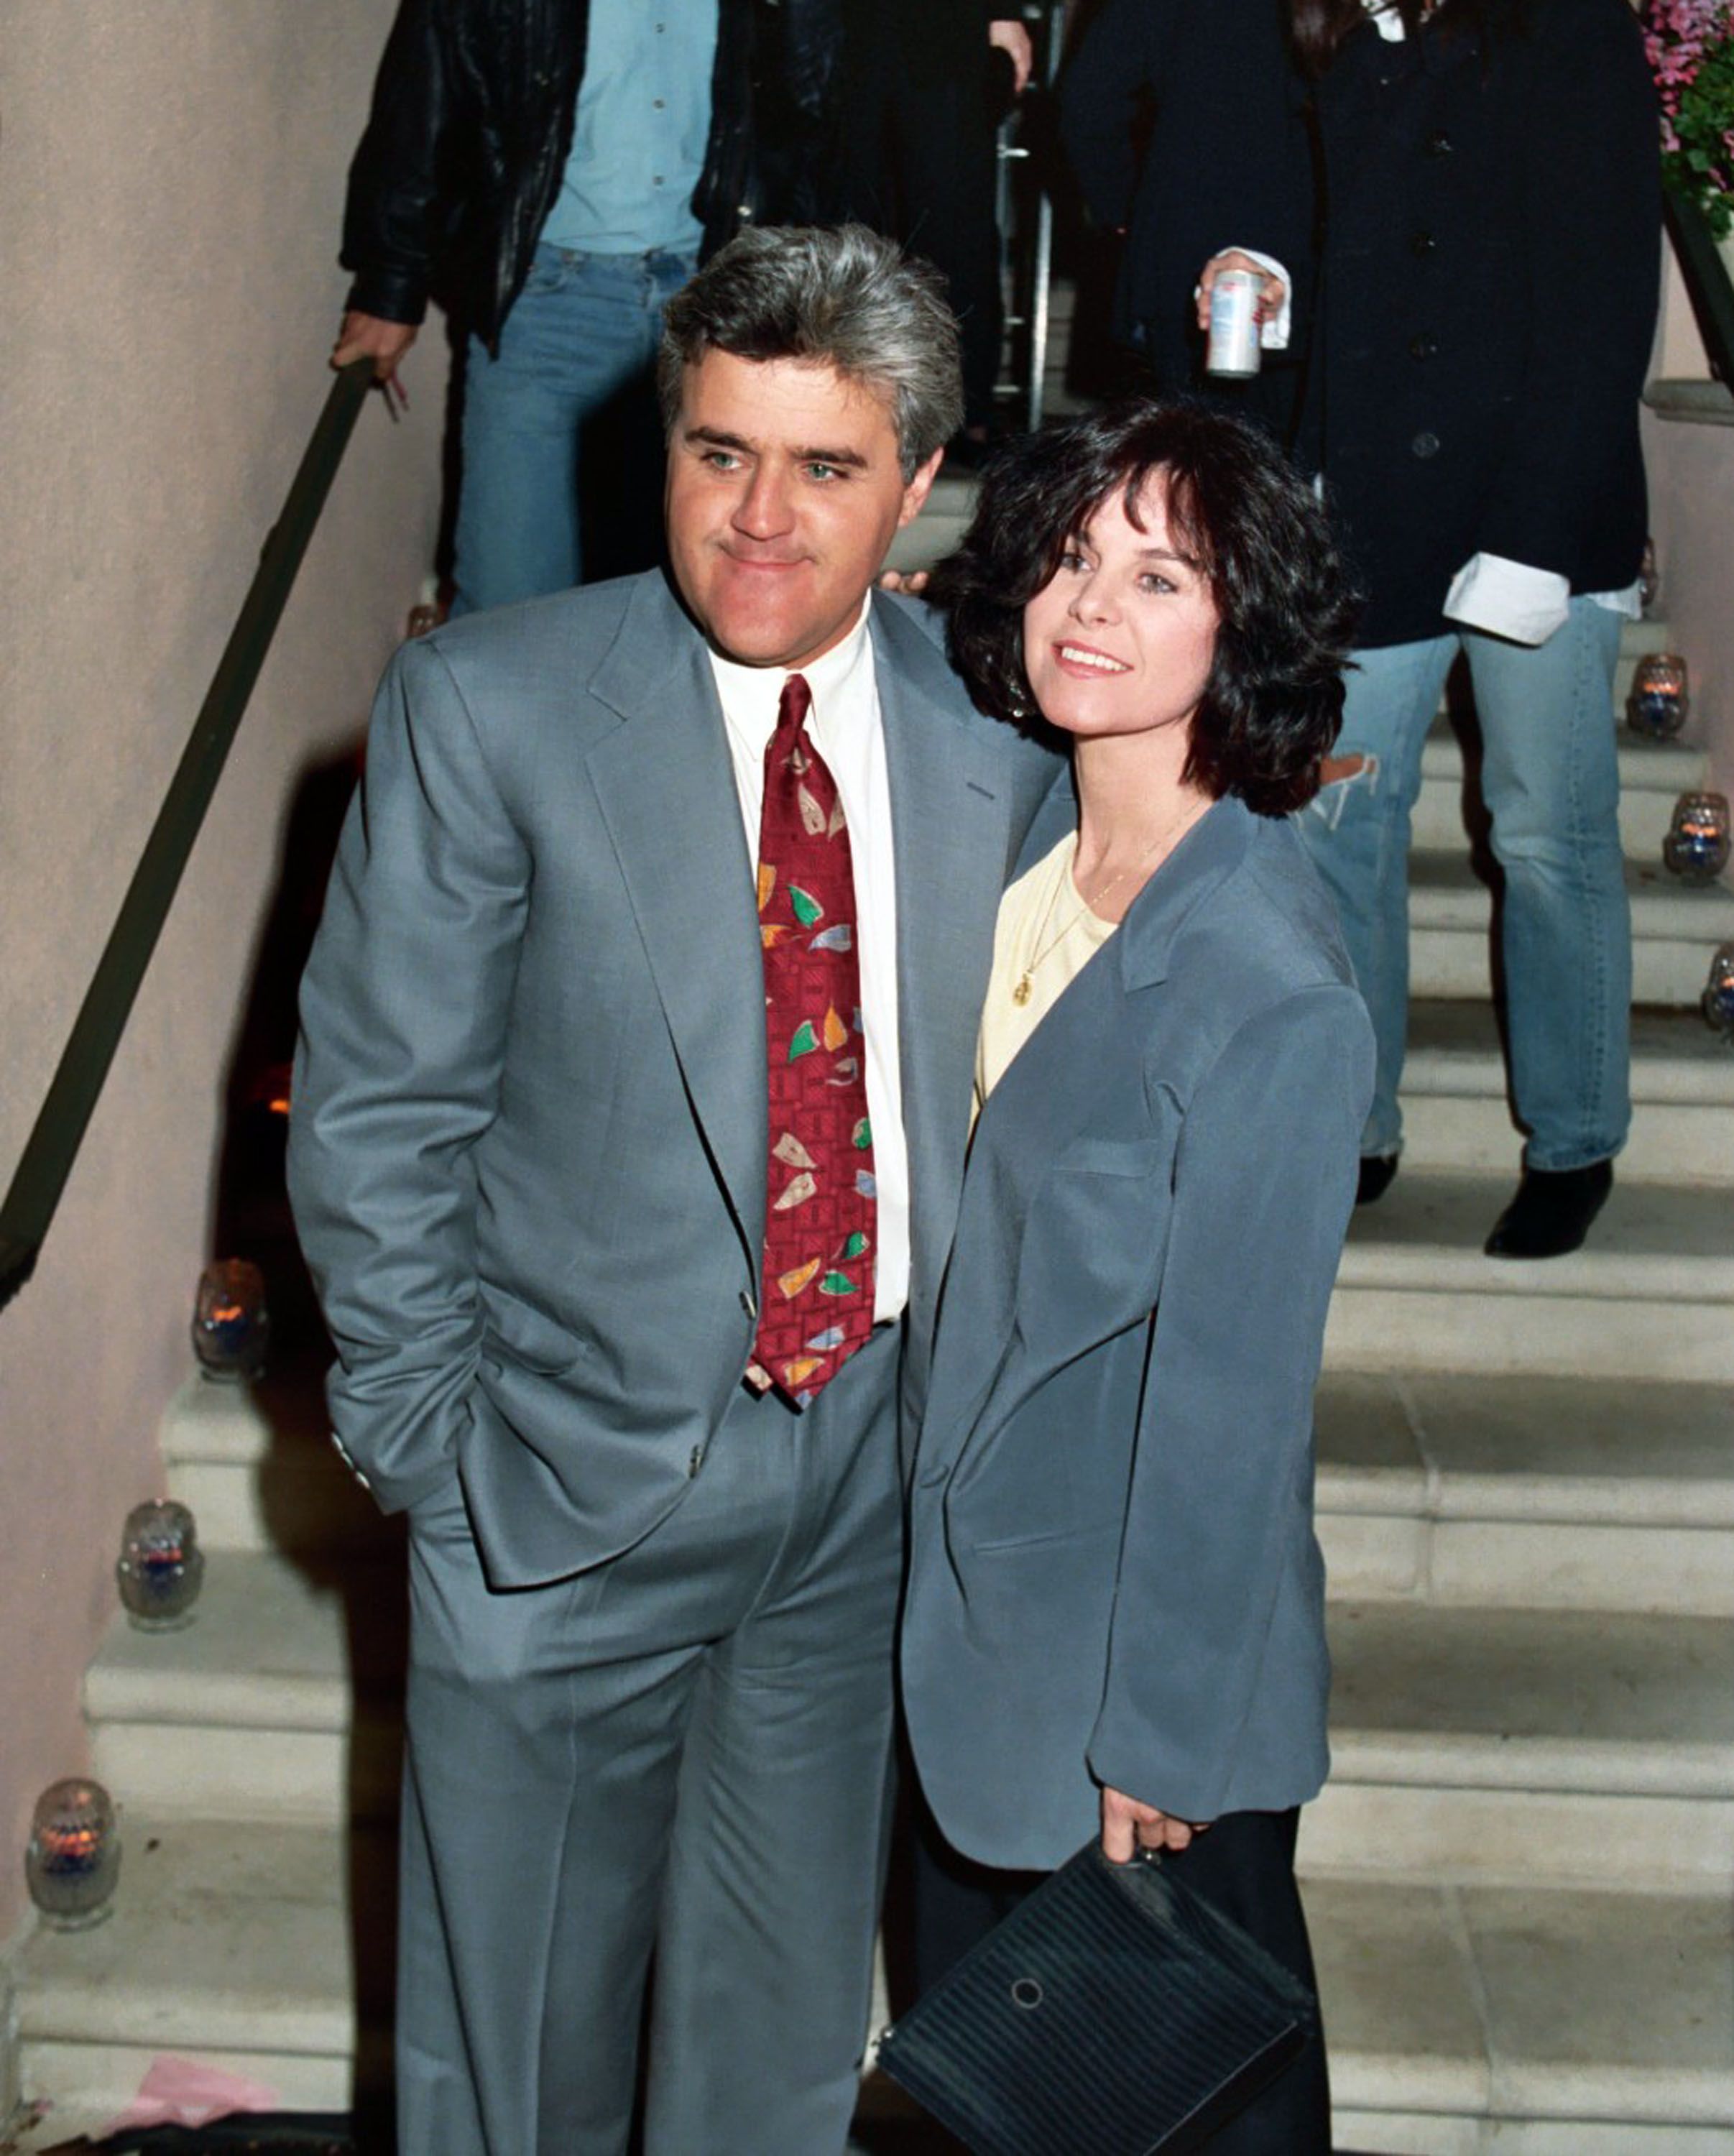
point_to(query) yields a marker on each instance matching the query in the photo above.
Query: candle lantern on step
(161, 1567)
(1719, 994)
(231, 1325)
(1696, 846)
(1660, 698)
(72, 1859)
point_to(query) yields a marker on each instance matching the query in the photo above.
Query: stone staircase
(1521, 1874)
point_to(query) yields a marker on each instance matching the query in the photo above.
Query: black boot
(1379, 1171)
(1551, 1212)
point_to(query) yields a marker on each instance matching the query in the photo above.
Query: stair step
(1528, 1492)
(281, 1701)
(1653, 775)
(1527, 2022)
(1515, 1745)
(234, 1944)
(1675, 928)
(1546, 2021)
(257, 1465)
(1455, 1115)
(1650, 1296)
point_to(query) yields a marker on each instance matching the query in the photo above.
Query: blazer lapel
(667, 793)
(1045, 1101)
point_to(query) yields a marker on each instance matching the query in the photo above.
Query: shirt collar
(750, 694)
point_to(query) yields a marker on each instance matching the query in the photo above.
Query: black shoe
(1379, 1171)
(1551, 1212)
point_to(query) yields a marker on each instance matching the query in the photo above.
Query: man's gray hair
(841, 297)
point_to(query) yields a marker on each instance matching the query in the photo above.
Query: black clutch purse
(1113, 2011)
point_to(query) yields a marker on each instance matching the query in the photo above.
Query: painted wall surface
(171, 183)
(1691, 508)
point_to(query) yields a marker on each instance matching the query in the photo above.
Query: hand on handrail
(370, 337)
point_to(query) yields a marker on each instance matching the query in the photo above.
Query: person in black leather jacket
(462, 177)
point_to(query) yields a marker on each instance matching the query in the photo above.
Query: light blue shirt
(639, 139)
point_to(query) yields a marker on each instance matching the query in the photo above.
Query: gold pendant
(1020, 995)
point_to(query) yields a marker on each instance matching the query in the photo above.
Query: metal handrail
(47, 1161)
(1706, 281)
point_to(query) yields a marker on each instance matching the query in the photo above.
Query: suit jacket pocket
(530, 1339)
(1093, 1242)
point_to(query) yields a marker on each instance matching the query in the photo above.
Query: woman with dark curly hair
(1114, 1616)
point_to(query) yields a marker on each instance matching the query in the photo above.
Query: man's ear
(916, 492)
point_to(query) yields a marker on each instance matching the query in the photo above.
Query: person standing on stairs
(555, 169)
(629, 1119)
(1479, 335)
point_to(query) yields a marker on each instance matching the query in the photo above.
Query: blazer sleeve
(1263, 1181)
(404, 1010)
(1592, 234)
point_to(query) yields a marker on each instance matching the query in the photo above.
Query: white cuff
(1274, 335)
(1507, 598)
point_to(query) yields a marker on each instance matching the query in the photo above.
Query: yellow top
(1044, 937)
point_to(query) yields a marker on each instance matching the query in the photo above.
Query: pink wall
(1691, 486)
(170, 180)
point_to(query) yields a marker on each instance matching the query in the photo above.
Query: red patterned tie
(816, 1303)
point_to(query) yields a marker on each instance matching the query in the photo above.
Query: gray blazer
(1114, 1575)
(527, 1151)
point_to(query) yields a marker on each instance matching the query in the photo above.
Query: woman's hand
(1128, 1827)
(1272, 290)
(911, 582)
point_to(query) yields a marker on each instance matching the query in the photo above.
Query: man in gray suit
(540, 1187)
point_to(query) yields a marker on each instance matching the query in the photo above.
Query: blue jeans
(1551, 782)
(576, 354)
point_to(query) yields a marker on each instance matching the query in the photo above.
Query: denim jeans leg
(1551, 779)
(582, 331)
(1357, 832)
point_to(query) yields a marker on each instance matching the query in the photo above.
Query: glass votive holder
(73, 1858)
(1697, 847)
(1718, 998)
(161, 1568)
(1660, 699)
(231, 1325)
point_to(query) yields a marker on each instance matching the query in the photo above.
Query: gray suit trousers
(679, 1755)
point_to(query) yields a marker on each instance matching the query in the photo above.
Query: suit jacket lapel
(951, 816)
(667, 792)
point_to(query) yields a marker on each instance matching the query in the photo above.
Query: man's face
(783, 494)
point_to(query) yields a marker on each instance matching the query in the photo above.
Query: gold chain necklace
(1024, 987)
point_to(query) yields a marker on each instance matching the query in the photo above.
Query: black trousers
(1245, 1866)
(919, 165)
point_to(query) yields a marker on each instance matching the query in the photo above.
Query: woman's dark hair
(1273, 703)
(1319, 26)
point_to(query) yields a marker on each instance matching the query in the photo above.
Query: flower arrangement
(1690, 44)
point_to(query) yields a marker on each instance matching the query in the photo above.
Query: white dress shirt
(848, 733)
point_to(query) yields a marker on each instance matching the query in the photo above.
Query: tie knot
(793, 705)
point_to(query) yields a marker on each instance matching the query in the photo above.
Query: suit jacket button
(1423, 346)
(1422, 243)
(1425, 445)
(748, 1304)
(696, 1461)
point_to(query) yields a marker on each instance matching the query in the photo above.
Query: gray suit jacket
(528, 1146)
(1114, 1573)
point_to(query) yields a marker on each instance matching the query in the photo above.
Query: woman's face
(1120, 640)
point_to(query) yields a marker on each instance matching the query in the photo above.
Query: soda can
(1234, 348)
